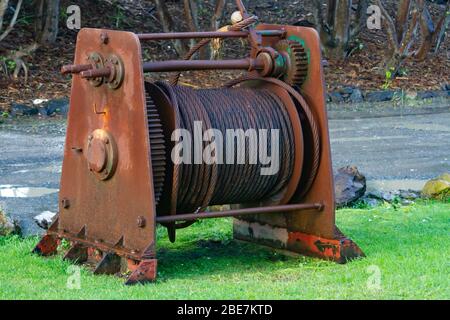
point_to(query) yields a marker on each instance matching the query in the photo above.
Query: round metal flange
(97, 61)
(117, 71)
(101, 154)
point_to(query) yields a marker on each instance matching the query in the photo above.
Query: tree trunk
(361, 18)
(47, 21)
(217, 18)
(167, 24)
(427, 33)
(10, 27)
(431, 35)
(404, 7)
(338, 24)
(3, 7)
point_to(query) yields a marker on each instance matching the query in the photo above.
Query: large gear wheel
(297, 62)
(158, 148)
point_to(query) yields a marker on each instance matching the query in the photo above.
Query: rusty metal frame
(308, 234)
(109, 217)
(103, 213)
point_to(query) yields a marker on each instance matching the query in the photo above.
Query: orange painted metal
(306, 230)
(108, 209)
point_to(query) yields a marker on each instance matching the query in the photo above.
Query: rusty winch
(120, 179)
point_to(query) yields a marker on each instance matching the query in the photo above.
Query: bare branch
(404, 8)
(3, 7)
(13, 21)
(408, 38)
(360, 18)
(391, 29)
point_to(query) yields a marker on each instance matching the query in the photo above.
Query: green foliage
(410, 247)
(9, 63)
(119, 17)
(388, 77)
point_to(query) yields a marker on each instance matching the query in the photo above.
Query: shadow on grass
(224, 258)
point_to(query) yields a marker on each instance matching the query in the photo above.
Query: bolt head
(141, 222)
(104, 38)
(65, 203)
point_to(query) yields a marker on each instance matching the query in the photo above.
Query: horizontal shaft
(239, 212)
(205, 35)
(186, 65)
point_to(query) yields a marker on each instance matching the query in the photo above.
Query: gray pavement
(398, 152)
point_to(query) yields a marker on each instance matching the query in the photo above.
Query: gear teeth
(157, 147)
(298, 71)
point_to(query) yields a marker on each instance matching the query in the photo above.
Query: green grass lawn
(408, 257)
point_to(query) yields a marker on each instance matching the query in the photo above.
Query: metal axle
(239, 212)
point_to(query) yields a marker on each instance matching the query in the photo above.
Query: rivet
(104, 38)
(65, 203)
(141, 222)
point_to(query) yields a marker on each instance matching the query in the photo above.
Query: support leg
(145, 272)
(110, 264)
(77, 253)
(47, 246)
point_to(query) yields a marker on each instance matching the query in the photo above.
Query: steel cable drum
(193, 187)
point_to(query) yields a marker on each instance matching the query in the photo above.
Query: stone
(356, 96)
(336, 97)
(346, 91)
(410, 95)
(57, 107)
(437, 188)
(370, 202)
(445, 176)
(350, 185)
(380, 96)
(409, 195)
(382, 195)
(45, 219)
(18, 109)
(7, 225)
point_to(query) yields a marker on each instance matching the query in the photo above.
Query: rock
(409, 195)
(57, 107)
(350, 185)
(346, 91)
(42, 111)
(445, 176)
(410, 95)
(45, 219)
(382, 195)
(8, 226)
(432, 94)
(38, 102)
(371, 202)
(356, 96)
(18, 109)
(426, 95)
(336, 97)
(379, 96)
(437, 188)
